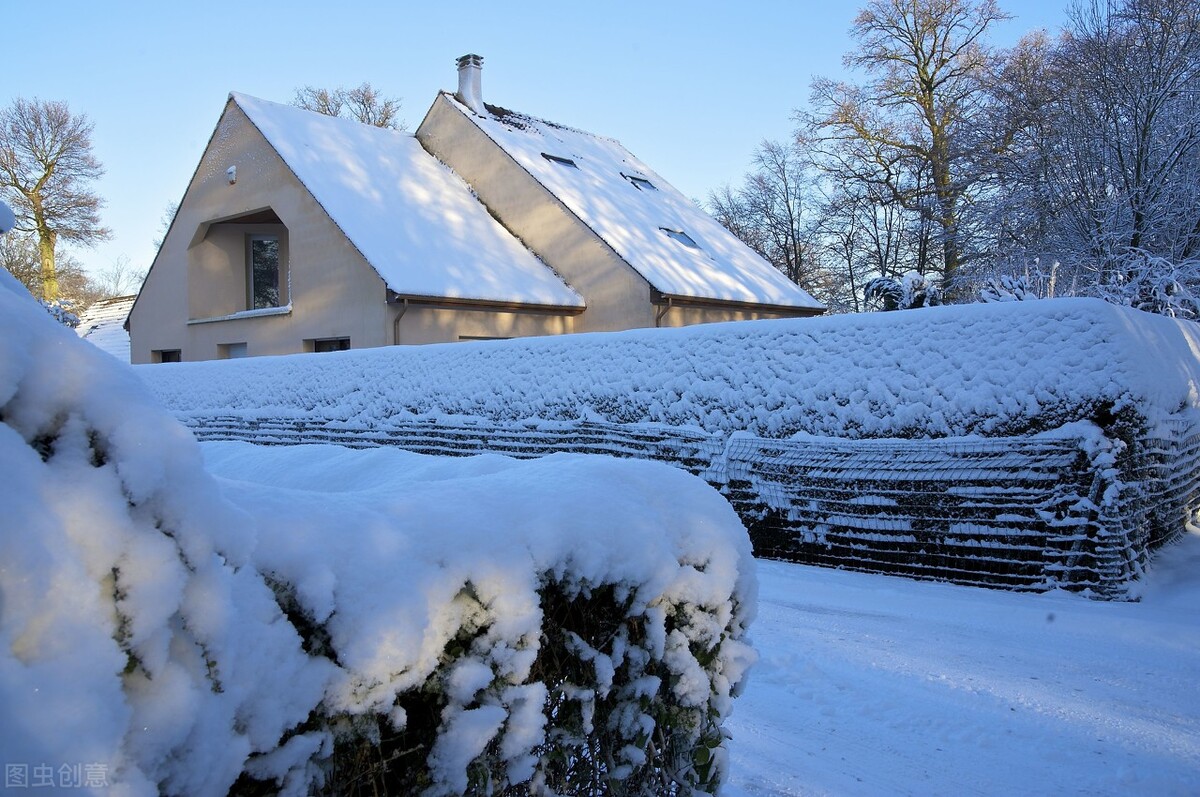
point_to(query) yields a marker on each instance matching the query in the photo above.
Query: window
(231, 351)
(640, 183)
(561, 161)
(681, 236)
(331, 344)
(262, 271)
(166, 356)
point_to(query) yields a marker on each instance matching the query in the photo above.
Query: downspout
(662, 311)
(396, 322)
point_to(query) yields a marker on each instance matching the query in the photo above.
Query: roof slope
(103, 324)
(636, 212)
(415, 221)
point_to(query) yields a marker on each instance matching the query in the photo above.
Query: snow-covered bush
(1156, 285)
(912, 291)
(62, 311)
(136, 637)
(351, 619)
(1006, 288)
(574, 622)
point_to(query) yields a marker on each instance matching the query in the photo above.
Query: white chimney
(470, 94)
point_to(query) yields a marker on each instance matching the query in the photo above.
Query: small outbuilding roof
(103, 324)
(415, 221)
(677, 247)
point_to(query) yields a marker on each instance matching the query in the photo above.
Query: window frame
(560, 160)
(251, 297)
(327, 345)
(640, 183)
(681, 237)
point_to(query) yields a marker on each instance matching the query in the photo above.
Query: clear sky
(689, 87)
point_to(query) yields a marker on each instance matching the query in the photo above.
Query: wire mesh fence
(1033, 513)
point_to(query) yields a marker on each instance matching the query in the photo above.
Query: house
(103, 325)
(304, 232)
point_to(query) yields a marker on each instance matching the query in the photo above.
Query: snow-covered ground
(878, 685)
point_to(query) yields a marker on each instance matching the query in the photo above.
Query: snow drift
(500, 621)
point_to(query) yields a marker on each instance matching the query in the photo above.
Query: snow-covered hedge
(818, 430)
(988, 369)
(410, 624)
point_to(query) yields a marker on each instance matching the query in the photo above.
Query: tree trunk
(46, 241)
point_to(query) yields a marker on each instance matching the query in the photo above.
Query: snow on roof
(103, 324)
(415, 221)
(677, 247)
(989, 369)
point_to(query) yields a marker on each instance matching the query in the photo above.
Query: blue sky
(689, 87)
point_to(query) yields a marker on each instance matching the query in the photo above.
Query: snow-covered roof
(415, 221)
(677, 247)
(103, 324)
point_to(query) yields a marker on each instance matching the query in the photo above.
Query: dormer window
(640, 183)
(561, 161)
(681, 236)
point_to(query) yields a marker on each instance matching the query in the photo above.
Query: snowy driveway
(878, 685)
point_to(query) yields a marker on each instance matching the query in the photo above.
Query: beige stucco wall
(683, 315)
(199, 271)
(217, 284)
(431, 324)
(617, 296)
(194, 298)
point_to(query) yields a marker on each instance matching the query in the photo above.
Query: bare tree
(311, 98)
(907, 130)
(164, 223)
(19, 255)
(1101, 188)
(773, 213)
(119, 279)
(363, 103)
(46, 166)
(1129, 181)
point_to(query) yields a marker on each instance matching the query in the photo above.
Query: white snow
(877, 685)
(138, 632)
(103, 325)
(416, 222)
(134, 633)
(991, 369)
(639, 214)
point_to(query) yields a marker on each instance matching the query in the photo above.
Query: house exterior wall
(216, 268)
(194, 298)
(684, 315)
(425, 324)
(617, 296)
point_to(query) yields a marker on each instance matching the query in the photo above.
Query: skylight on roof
(561, 161)
(640, 183)
(681, 236)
